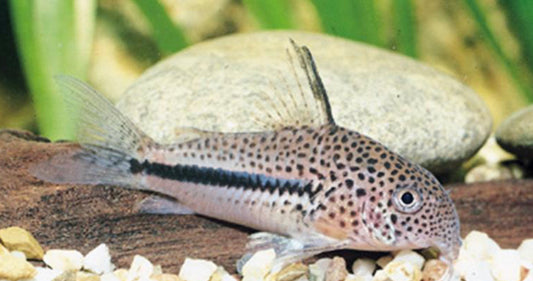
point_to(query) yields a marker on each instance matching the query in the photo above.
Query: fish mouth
(448, 255)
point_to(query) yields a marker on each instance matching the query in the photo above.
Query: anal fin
(156, 204)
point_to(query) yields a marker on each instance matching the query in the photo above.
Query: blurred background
(486, 44)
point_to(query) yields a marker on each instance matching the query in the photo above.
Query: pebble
(383, 261)
(66, 276)
(411, 257)
(291, 272)
(197, 270)
(64, 260)
(46, 274)
(434, 270)
(112, 277)
(98, 260)
(480, 259)
(140, 269)
(529, 276)
(399, 270)
(515, 134)
(526, 250)
(336, 270)
(506, 265)
(157, 269)
(167, 277)
(380, 275)
(85, 276)
(317, 270)
(3, 250)
(415, 110)
(353, 277)
(18, 239)
(221, 275)
(363, 267)
(259, 265)
(18, 254)
(121, 274)
(474, 270)
(15, 268)
(478, 246)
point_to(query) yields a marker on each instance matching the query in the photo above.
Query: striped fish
(309, 184)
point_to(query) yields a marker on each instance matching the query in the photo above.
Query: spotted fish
(308, 183)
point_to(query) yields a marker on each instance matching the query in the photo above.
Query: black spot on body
(393, 218)
(360, 192)
(349, 156)
(332, 176)
(349, 183)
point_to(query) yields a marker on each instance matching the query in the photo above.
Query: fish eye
(407, 200)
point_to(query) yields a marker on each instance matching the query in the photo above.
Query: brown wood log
(81, 217)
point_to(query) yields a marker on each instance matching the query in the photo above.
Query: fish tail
(109, 141)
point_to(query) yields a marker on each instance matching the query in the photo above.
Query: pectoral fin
(156, 204)
(288, 250)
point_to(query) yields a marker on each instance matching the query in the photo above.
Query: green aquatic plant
(512, 67)
(271, 14)
(168, 36)
(520, 19)
(356, 20)
(53, 37)
(404, 27)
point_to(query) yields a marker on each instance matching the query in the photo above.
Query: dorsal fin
(308, 106)
(307, 63)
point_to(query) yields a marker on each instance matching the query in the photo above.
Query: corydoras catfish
(308, 183)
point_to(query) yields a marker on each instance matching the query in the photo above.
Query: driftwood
(81, 217)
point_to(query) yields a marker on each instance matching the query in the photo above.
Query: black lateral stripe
(221, 177)
(331, 190)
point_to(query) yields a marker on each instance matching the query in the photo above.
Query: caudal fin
(108, 139)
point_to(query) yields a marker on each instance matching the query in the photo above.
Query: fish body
(314, 182)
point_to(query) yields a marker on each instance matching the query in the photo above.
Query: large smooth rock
(515, 134)
(415, 110)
